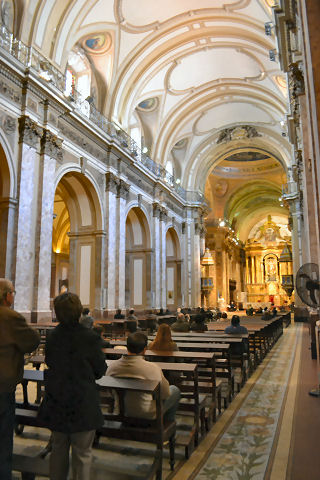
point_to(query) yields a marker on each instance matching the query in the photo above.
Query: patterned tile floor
(248, 437)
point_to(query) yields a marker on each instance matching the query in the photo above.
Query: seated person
(198, 324)
(236, 329)
(235, 326)
(259, 311)
(119, 315)
(274, 312)
(133, 365)
(161, 312)
(249, 311)
(99, 331)
(224, 315)
(180, 325)
(86, 320)
(163, 340)
(131, 322)
(152, 321)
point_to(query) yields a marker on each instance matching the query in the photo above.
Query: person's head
(119, 311)
(131, 312)
(136, 343)
(164, 333)
(68, 308)
(224, 315)
(161, 310)
(6, 292)
(235, 320)
(178, 310)
(85, 311)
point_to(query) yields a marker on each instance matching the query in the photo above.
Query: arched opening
(138, 261)
(248, 220)
(174, 295)
(76, 239)
(6, 217)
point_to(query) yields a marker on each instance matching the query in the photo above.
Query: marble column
(51, 152)
(156, 270)
(28, 173)
(111, 240)
(163, 258)
(196, 266)
(120, 273)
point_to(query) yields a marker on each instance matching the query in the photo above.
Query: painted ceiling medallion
(97, 43)
(149, 104)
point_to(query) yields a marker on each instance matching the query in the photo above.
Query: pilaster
(28, 173)
(51, 152)
(122, 197)
(111, 240)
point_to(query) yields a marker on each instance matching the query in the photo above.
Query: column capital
(156, 207)
(163, 214)
(123, 189)
(51, 145)
(111, 182)
(29, 132)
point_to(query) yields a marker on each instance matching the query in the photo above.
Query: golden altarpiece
(269, 264)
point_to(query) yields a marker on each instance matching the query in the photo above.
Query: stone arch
(138, 260)
(7, 210)
(77, 239)
(173, 269)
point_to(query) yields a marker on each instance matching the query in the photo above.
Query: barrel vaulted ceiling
(193, 76)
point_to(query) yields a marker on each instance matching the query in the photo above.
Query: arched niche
(7, 209)
(173, 270)
(77, 239)
(138, 261)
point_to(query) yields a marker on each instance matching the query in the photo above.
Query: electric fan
(308, 289)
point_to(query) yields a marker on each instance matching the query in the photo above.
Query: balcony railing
(31, 59)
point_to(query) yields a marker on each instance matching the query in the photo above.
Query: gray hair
(5, 288)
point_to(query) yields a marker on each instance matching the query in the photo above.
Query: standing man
(16, 339)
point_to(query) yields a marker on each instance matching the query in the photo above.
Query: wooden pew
(120, 425)
(204, 360)
(116, 426)
(191, 401)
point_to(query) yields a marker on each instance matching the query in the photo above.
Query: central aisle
(243, 444)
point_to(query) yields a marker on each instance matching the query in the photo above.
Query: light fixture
(58, 250)
(222, 223)
(178, 181)
(145, 150)
(207, 258)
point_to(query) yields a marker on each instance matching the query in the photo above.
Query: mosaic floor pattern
(244, 450)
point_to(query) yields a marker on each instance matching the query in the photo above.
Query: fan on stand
(308, 289)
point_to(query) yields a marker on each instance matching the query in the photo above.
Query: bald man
(16, 339)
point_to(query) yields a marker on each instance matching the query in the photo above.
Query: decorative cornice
(29, 132)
